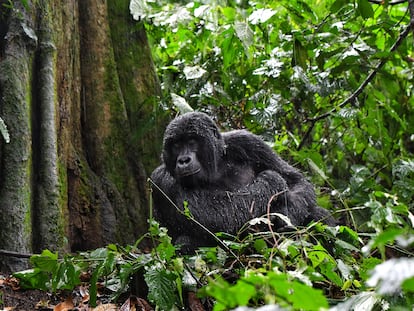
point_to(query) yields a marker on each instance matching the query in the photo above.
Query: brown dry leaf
(42, 304)
(136, 304)
(105, 307)
(126, 306)
(143, 305)
(84, 294)
(12, 282)
(66, 305)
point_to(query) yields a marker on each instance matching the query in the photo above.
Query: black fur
(227, 179)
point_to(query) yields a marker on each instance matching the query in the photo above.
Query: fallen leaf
(105, 307)
(66, 305)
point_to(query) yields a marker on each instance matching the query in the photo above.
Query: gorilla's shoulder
(241, 138)
(254, 145)
(160, 173)
(238, 134)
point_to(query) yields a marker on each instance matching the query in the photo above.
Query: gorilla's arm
(218, 210)
(244, 146)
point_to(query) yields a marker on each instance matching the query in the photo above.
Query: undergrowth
(312, 268)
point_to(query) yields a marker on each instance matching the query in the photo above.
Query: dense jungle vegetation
(329, 85)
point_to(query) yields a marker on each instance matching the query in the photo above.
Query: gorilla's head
(193, 148)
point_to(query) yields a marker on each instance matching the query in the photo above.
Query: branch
(363, 85)
(389, 3)
(14, 254)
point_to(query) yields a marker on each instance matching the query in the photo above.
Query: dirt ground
(26, 300)
(12, 298)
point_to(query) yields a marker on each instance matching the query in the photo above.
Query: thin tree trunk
(16, 156)
(79, 94)
(48, 221)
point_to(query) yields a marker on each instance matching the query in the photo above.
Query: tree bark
(79, 95)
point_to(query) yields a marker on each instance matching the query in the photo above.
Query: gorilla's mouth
(188, 173)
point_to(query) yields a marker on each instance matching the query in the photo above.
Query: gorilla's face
(193, 148)
(186, 160)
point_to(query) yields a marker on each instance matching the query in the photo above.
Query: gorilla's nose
(184, 161)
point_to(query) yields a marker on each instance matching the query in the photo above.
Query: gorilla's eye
(192, 144)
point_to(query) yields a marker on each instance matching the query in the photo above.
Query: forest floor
(12, 298)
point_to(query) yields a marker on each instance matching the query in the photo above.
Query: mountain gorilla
(226, 179)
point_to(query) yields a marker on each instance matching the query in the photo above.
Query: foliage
(310, 268)
(328, 82)
(330, 85)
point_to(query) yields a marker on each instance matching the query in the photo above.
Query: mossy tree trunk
(79, 95)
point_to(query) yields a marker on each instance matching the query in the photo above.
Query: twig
(269, 205)
(191, 217)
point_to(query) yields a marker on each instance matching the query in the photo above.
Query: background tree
(79, 97)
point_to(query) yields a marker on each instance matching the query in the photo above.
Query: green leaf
(66, 276)
(161, 288)
(385, 237)
(245, 34)
(229, 296)
(365, 9)
(300, 55)
(260, 246)
(228, 47)
(307, 298)
(337, 5)
(299, 295)
(408, 285)
(180, 103)
(46, 261)
(32, 279)
(93, 290)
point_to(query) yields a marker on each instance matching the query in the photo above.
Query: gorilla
(225, 180)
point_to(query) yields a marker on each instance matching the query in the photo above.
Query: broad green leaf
(180, 103)
(365, 9)
(193, 72)
(138, 9)
(307, 298)
(46, 261)
(161, 288)
(245, 34)
(315, 168)
(261, 16)
(32, 279)
(408, 285)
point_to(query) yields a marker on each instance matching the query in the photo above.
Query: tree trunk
(79, 95)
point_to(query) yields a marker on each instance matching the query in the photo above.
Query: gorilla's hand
(274, 180)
